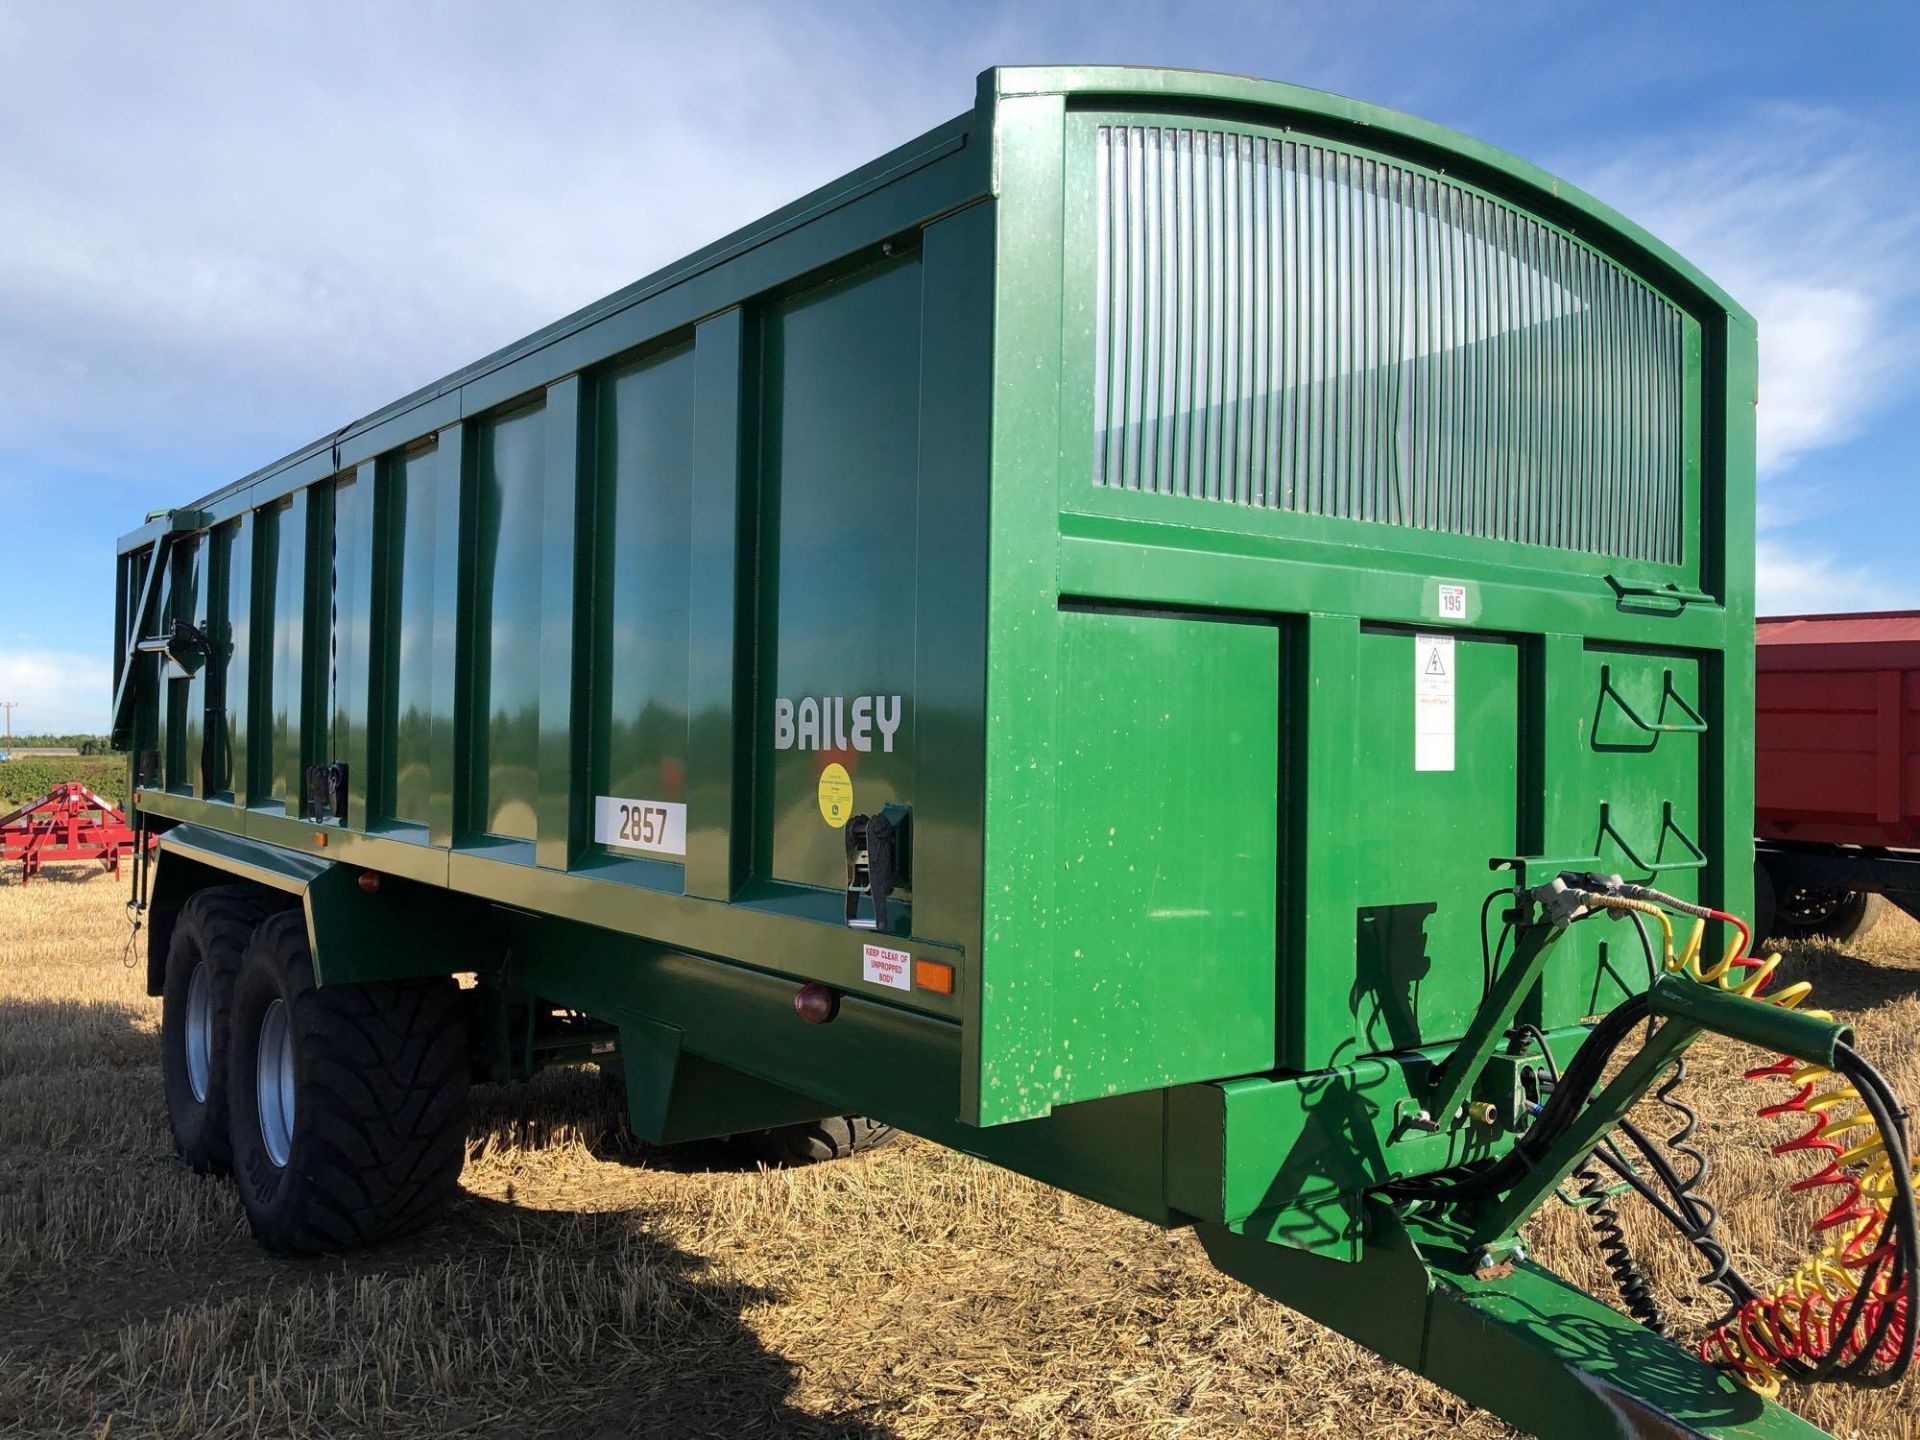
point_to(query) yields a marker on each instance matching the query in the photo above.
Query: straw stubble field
(585, 1285)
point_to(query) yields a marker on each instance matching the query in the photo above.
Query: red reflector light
(816, 1003)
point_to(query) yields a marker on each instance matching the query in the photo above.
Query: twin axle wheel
(341, 1112)
(348, 1104)
(208, 942)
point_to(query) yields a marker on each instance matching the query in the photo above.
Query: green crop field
(30, 776)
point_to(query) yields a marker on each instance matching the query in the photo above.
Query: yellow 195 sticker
(836, 795)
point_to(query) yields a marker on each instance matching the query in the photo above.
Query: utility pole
(8, 706)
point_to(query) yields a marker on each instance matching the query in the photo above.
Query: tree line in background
(85, 744)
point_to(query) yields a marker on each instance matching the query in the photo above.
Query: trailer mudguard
(362, 925)
(674, 1095)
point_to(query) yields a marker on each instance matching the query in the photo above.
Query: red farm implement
(68, 823)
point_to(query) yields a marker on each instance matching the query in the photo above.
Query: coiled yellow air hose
(1798, 1322)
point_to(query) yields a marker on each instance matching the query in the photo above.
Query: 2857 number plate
(658, 827)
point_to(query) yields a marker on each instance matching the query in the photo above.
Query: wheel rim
(199, 1031)
(274, 1072)
(1809, 907)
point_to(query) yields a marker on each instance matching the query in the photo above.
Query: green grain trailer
(1094, 638)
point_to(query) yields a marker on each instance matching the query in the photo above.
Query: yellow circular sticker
(836, 795)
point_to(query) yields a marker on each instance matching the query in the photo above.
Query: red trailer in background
(1837, 770)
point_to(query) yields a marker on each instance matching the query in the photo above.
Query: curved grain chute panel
(1477, 454)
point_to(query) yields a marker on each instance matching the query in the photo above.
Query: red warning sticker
(887, 967)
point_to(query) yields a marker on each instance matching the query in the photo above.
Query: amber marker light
(934, 975)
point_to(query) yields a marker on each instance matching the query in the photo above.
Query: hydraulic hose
(1583, 1075)
(1636, 1294)
(1844, 1314)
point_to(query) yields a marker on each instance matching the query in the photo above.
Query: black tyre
(1845, 916)
(834, 1138)
(1765, 903)
(202, 959)
(348, 1105)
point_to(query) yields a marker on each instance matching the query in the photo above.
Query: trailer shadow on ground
(500, 1316)
(584, 1104)
(132, 1297)
(1842, 981)
(71, 874)
(671, 1352)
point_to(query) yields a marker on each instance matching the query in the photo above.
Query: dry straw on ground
(586, 1286)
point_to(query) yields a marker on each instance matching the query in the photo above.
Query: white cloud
(59, 692)
(1795, 581)
(295, 217)
(1807, 221)
(318, 211)
(1804, 218)
(225, 231)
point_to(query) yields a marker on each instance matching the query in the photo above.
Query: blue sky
(225, 231)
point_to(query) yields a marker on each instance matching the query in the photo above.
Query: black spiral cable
(1685, 1205)
(1636, 1291)
(1690, 1195)
(1694, 1213)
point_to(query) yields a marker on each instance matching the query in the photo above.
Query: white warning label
(887, 967)
(1433, 702)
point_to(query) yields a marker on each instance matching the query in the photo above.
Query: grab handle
(1694, 724)
(1665, 598)
(1696, 857)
